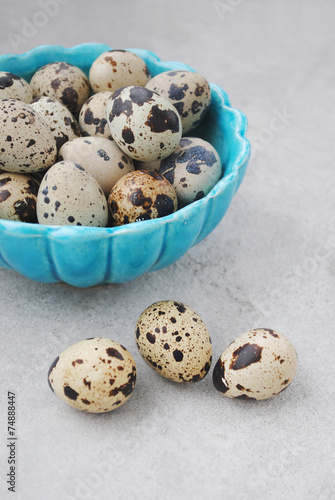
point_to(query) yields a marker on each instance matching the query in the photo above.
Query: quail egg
(18, 195)
(188, 91)
(141, 195)
(95, 375)
(174, 340)
(64, 82)
(14, 87)
(193, 169)
(117, 68)
(92, 116)
(26, 144)
(145, 125)
(62, 123)
(69, 195)
(100, 157)
(257, 365)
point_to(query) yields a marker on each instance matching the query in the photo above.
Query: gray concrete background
(270, 263)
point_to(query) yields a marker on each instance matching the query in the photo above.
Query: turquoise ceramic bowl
(85, 256)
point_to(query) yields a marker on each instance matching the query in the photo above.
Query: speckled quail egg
(193, 169)
(117, 68)
(69, 195)
(26, 143)
(174, 340)
(64, 82)
(14, 87)
(145, 125)
(100, 157)
(257, 365)
(61, 121)
(93, 116)
(141, 195)
(18, 195)
(188, 91)
(95, 375)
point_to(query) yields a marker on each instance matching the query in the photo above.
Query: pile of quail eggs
(106, 150)
(113, 149)
(98, 375)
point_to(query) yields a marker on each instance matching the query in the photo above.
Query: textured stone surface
(270, 263)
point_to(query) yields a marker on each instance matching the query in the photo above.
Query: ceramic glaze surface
(87, 256)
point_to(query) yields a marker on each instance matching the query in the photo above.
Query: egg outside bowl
(86, 256)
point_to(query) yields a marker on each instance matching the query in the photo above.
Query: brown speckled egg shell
(174, 340)
(257, 365)
(145, 125)
(141, 195)
(14, 87)
(62, 123)
(64, 82)
(93, 116)
(117, 68)
(18, 195)
(100, 157)
(94, 375)
(188, 91)
(27, 144)
(69, 195)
